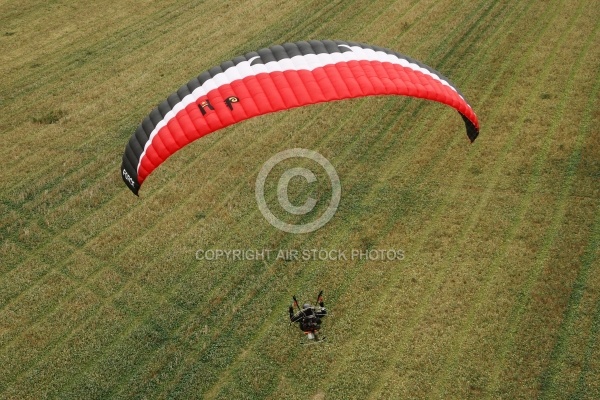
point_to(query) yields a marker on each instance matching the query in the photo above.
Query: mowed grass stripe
(66, 66)
(551, 377)
(572, 368)
(66, 26)
(587, 383)
(475, 385)
(549, 292)
(524, 297)
(412, 379)
(457, 346)
(450, 257)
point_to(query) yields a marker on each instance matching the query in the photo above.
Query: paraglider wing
(279, 78)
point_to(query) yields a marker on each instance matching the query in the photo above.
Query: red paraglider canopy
(279, 78)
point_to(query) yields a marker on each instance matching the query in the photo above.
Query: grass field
(497, 297)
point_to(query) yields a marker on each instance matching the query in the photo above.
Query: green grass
(498, 296)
